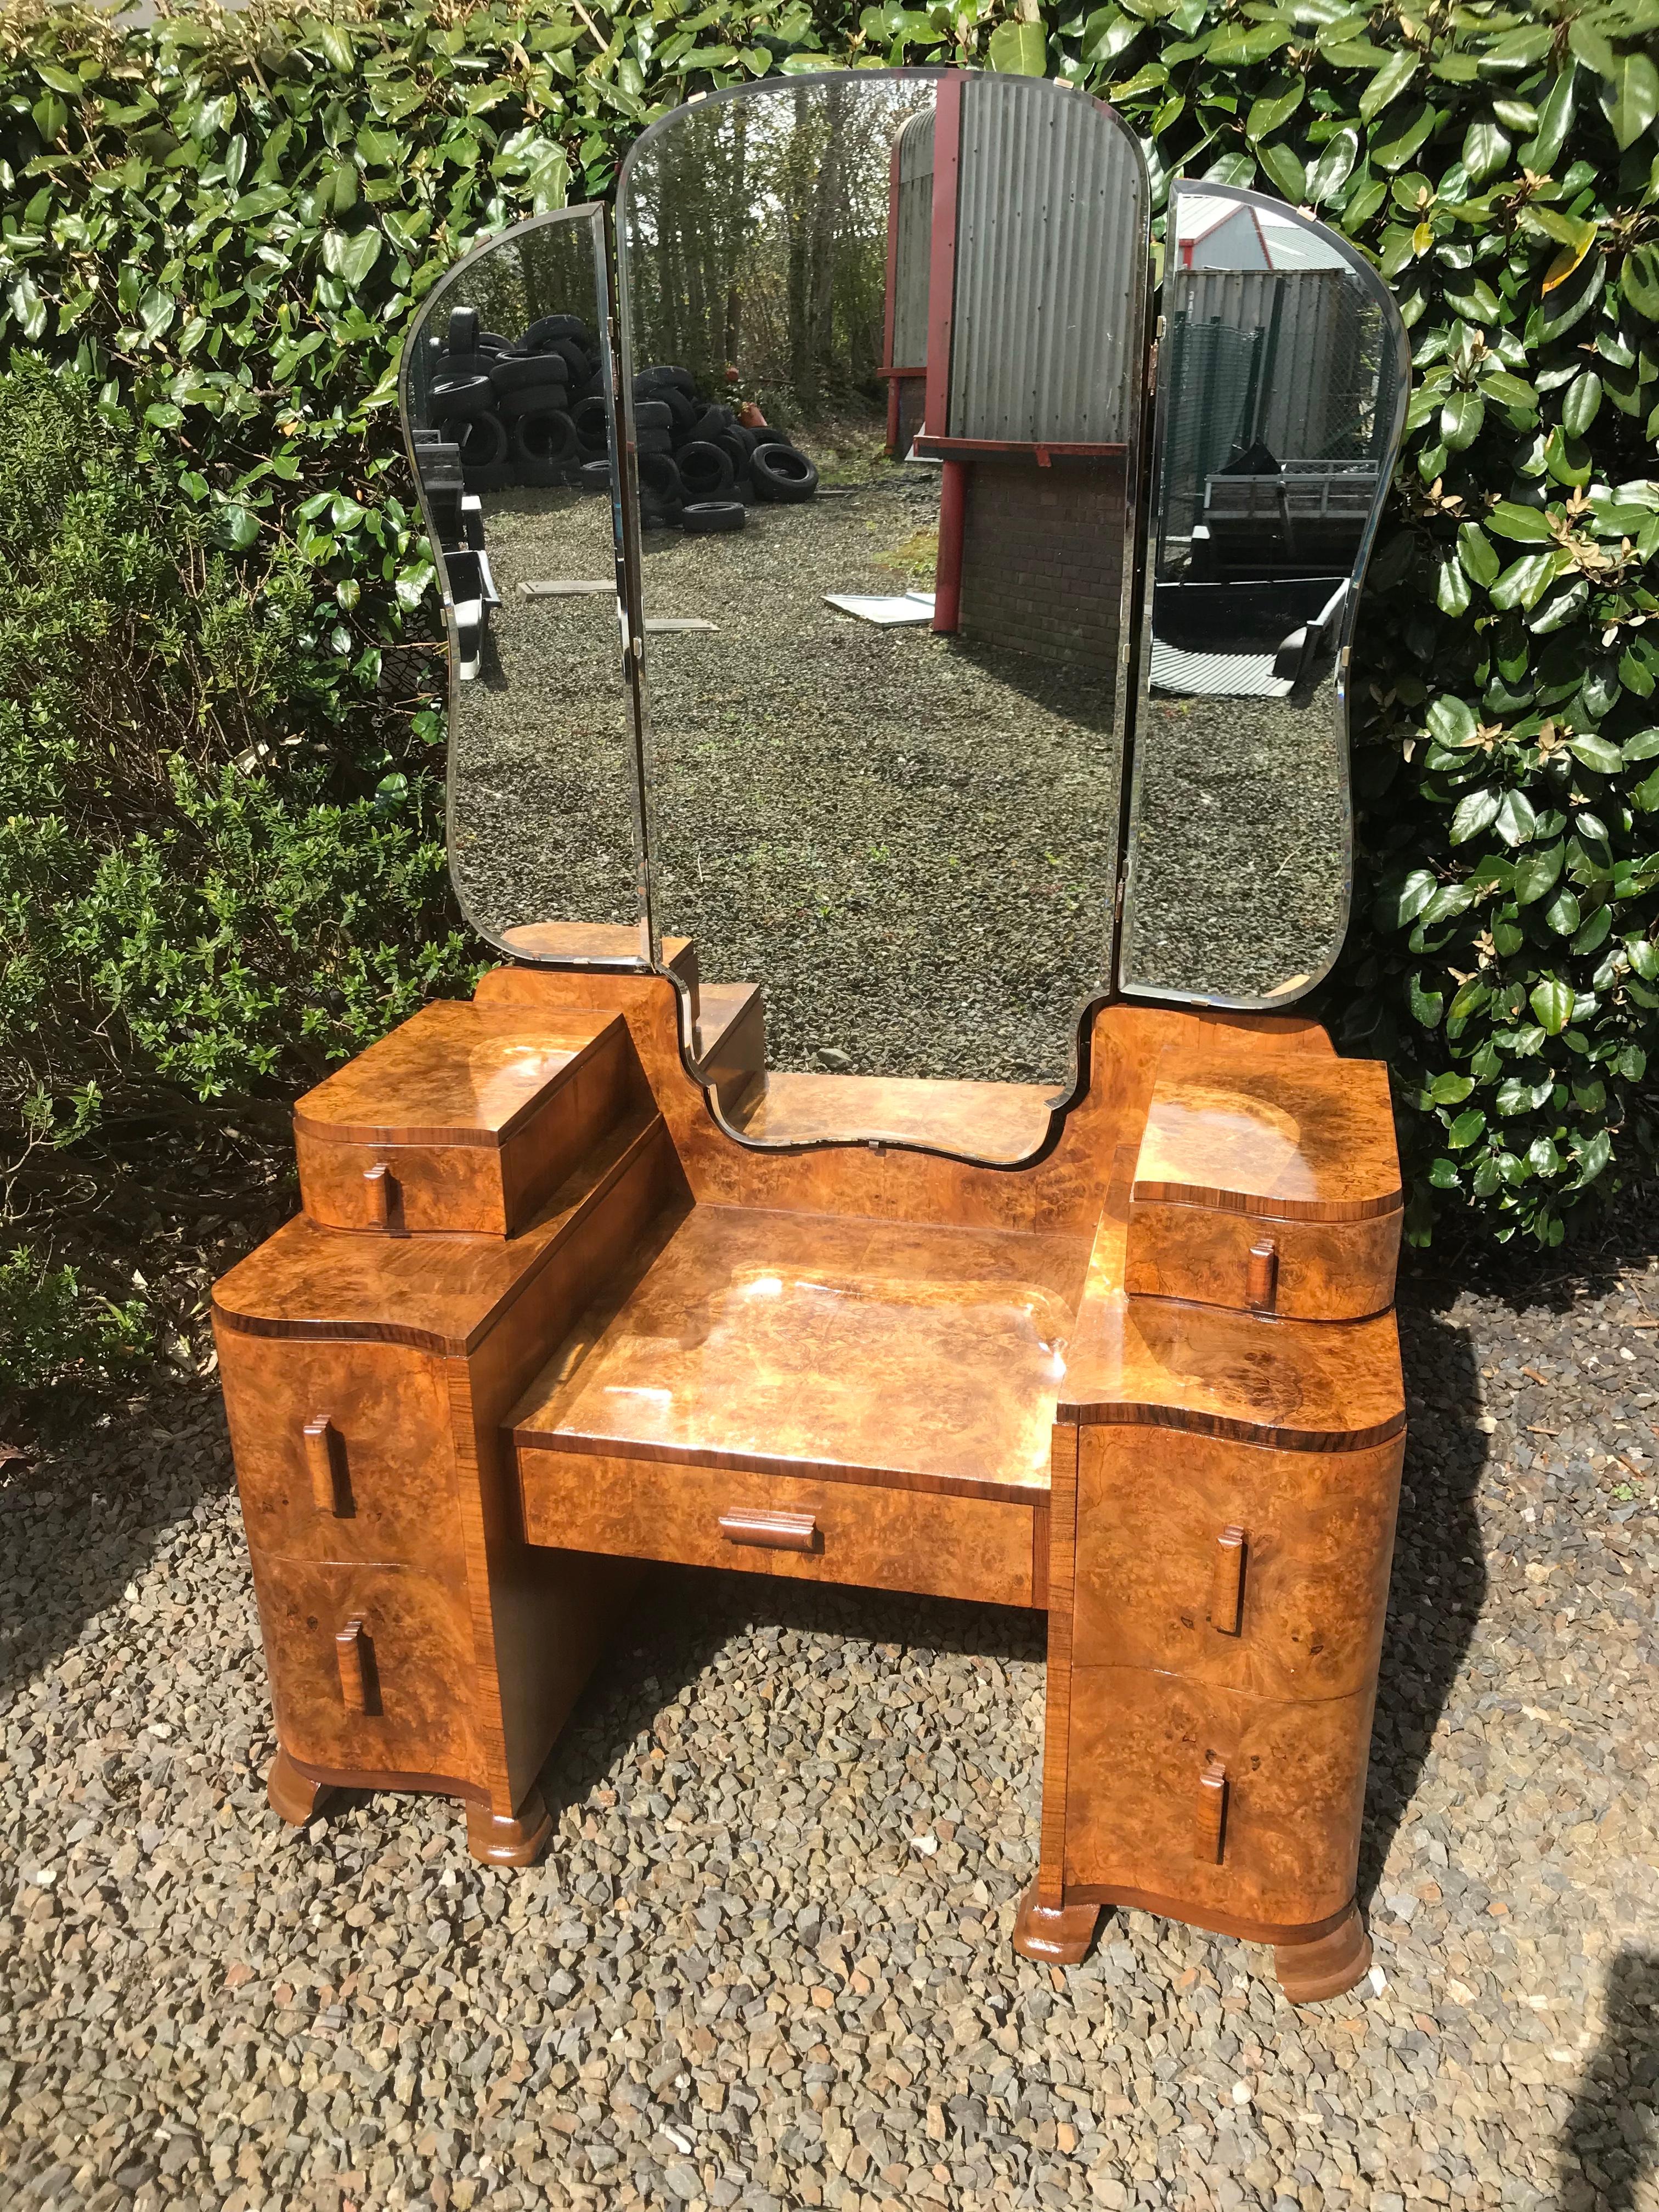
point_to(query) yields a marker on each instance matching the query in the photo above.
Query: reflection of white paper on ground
(907, 607)
(566, 587)
(671, 625)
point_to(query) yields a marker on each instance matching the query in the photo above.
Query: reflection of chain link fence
(1270, 367)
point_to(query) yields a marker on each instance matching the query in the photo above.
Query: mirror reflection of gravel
(541, 755)
(909, 840)
(1240, 813)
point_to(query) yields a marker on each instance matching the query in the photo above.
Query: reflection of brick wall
(913, 390)
(1042, 556)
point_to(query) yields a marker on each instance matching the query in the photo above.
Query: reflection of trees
(548, 272)
(755, 231)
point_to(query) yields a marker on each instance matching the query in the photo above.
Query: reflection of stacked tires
(526, 411)
(699, 467)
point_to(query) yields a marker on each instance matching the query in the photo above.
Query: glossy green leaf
(1019, 49)
(1477, 553)
(1552, 1004)
(1525, 524)
(1630, 96)
(1286, 170)
(1390, 81)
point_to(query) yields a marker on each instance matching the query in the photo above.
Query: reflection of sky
(1288, 242)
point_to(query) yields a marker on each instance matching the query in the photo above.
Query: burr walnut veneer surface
(548, 1316)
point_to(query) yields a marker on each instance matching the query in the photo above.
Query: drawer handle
(1227, 1583)
(323, 1459)
(381, 1186)
(776, 1532)
(355, 1651)
(1262, 1283)
(1211, 1813)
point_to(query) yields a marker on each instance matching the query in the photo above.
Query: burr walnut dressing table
(1032, 1248)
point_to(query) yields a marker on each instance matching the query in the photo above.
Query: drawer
(1252, 1569)
(768, 1524)
(1244, 1808)
(1271, 1189)
(466, 1118)
(343, 1451)
(1295, 1270)
(371, 1668)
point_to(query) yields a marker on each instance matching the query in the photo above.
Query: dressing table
(619, 1262)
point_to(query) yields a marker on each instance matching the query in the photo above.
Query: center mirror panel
(510, 414)
(882, 343)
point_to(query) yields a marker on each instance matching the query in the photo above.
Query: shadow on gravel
(78, 1524)
(682, 1616)
(1610, 2144)
(1439, 1581)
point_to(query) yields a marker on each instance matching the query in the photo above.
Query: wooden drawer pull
(353, 1649)
(1211, 1813)
(1261, 1283)
(381, 1186)
(323, 1460)
(777, 1532)
(1227, 1583)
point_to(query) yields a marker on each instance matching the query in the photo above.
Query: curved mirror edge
(1394, 362)
(519, 942)
(1038, 1132)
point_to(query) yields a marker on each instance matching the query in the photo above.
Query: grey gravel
(766, 1961)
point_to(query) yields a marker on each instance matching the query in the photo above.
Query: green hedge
(223, 224)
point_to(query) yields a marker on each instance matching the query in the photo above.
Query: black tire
(534, 400)
(654, 441)
(525, 372)
(482, 440)
(456, 397)
(461, 334)
(705, 470)
(660, 480)
(713, 423)
(546, 328)
(704, 517)
(669, 374)
(781, 474)
(653, 415)
(593, 420)
(735, 452)
(449, 366)
(681, 413)
(543, 445)
(595, 475)
(493, 342)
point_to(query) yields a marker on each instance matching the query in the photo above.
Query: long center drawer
(763, 1523)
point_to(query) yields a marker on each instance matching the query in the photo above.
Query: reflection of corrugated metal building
(1024, 292)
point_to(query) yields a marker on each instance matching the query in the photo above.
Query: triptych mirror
(839, 618)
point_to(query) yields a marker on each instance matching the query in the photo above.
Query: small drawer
(1273, 1189)
(832, 1532)
(467, 1118)
(343, 1451)
(1238, 1567)
(1244, 1808)
(371, 1668)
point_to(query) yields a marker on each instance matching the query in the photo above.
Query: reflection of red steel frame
(941, 309)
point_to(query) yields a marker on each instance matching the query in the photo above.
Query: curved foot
(1328, 1967)
(293, 1797)
(509, 1840)
(1057, 1935)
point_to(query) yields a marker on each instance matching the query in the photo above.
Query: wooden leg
(294, 1796)
(1058, 1935)
(1327, 1967)
(509, 1840)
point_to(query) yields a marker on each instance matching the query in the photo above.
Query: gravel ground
(765, 1962)
(1240, 851)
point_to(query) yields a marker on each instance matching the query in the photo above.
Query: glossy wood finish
(1328, 1967)
(876, 1363)
(882, 1538)
(293, 1797)
(1144, 1745)
(1301, 1594)
(461, 1120)
(1004, 1121)
(1273, 1189)
(848, 1349)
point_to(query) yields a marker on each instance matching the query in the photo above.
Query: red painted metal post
(952, 513)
